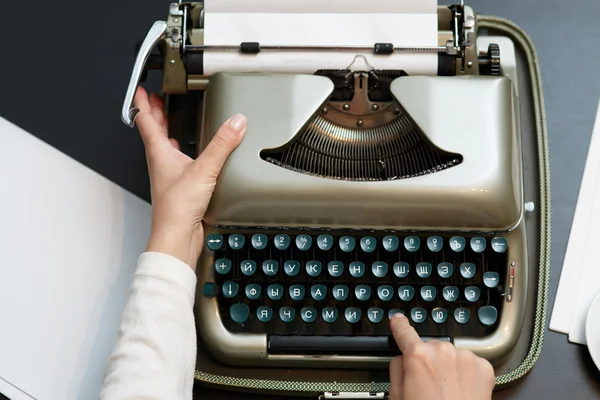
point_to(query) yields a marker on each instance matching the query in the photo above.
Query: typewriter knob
(489, 63)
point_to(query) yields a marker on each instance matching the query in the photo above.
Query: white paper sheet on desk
(69, 243)
(576, 248)
(578, 281)
(589, 284)
(318, 23)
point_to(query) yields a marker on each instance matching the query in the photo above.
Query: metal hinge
(353, 395)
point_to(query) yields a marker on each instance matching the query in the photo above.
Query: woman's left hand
(181, 188)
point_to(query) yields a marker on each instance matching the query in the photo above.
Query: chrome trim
(154, 35)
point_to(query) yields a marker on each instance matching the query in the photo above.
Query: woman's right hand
(436, 370)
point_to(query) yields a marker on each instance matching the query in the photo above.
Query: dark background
(65, 67)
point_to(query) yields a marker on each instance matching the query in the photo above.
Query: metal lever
(155, 34)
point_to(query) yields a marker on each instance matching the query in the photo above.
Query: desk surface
(65, 78)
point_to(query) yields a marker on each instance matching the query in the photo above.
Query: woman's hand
(436, 370)
(181, 188)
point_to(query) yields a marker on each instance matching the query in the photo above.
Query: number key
(368, 244)
(282, 242)
(347, 243)
(303, 242)
(434, 243)
(324, 242)
(236, 241)
(390, 243)
(412, 243)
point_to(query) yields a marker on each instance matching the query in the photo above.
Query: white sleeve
(155, 353)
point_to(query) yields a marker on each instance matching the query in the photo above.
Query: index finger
(149, 129)
(405, 335)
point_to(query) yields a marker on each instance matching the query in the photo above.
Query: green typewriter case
(184, 99)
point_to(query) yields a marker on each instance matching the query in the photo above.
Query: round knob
(489, 64)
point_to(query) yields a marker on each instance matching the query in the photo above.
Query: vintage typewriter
(357, 193)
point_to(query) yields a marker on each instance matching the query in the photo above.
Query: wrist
(182, 245)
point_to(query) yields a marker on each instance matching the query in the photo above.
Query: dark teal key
(406, 293)
(390, 243)
(214, 241)
(259, 241)
(335, 268)
(423, 269)
(362, 292)
(324, 242)
(491, 279)
(418, 314)
(428, 293)
(487, 315)
(308, 314)
(379, 269)
(467, 270)
(210, 289)
(297, 292)
(368, 244)
(375, 314)
(478, 244)
(303, 242)
(236, 241)
(499, 244)
(412, 243)
(457, 243)
(461, 315)
(291, 267)
(450, 293)
(253, 291)
(270, 267)
(287, 314)
(357, 269)
(435, 243)
(275, 292)
(222, 266)
(314, 268)
(264, 313)
(239, 313)
(439, 315)
(340, 292)
(347, 243)
(352, 314)
(472, 293)
(248, 267)
(282, 242)
(329, 314)
(401, 269)
(229, 289)
(445, 270)
(318, 292)
(385, 292)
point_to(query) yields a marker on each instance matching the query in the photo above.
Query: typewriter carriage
(331, 143)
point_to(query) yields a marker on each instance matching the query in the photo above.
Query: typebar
(338, 345)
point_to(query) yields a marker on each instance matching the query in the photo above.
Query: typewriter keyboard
(326, 284)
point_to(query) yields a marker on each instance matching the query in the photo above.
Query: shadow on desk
(593, 373)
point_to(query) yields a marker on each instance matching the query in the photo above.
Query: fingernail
(238, 122)
(399, 315)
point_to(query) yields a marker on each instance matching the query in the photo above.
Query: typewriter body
(356, 194)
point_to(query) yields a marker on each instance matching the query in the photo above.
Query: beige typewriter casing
(479, 117)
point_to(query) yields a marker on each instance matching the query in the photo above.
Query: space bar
(338, 345)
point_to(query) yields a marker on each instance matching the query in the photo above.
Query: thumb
(227, 138)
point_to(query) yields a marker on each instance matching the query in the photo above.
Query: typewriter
(357, 193)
